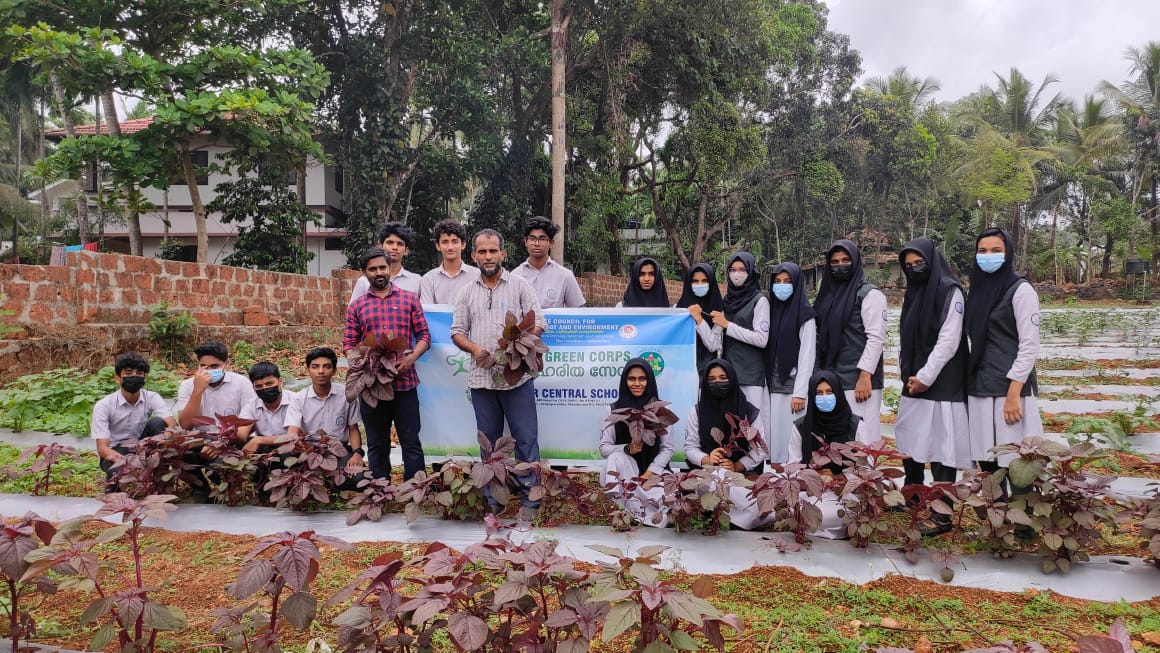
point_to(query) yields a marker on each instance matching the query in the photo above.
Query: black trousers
(403, 412)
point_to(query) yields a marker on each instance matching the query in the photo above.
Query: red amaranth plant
(374, 364)
(520, 350)
(740, 431)
(780, 494)
(44, 457)
(645, 424)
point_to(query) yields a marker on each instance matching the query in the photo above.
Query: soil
(190, 571)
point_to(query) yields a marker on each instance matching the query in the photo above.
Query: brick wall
(117, 289)
(606, 290)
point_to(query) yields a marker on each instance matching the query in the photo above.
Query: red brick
(85, 276)
(128, 297)
(190, 270)
(181, 286)
(150, 298)
(59, 274)
(33, 273)
(132, 263)
(208, 318)
(217, 288)
(151, 266)
(225, 273)
(172, 267)
(45, 292)
(110, 262)
(256, 319)
(143, 281)
(199, 286)
(39, 313)
(163, 284)
(16, 290)
(241, 275)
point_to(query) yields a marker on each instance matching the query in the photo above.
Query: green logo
(656, 360)
(460, 362)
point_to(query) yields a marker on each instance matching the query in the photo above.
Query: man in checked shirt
(384, 309)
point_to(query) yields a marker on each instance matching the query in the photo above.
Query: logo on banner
(459, 361)
(629, 331)
(655, 360)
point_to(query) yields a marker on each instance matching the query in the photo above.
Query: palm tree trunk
(70, 131)
(131, 216)
(1107, 263)
(559, 124)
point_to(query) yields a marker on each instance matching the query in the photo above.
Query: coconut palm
(901, 84)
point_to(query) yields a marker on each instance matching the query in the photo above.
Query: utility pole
(559, 123)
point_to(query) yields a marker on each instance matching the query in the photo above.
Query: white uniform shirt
(313, 414)
(555, 284)
(116, 420)
(234, 395)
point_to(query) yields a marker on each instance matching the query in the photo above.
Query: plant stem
(14, 614)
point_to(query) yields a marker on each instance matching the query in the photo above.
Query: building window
(338, 179)
(200, 160)
(333, 244)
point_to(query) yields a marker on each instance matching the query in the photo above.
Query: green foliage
(271, 223)
(61, 400)
(171, 249)
(171, 332)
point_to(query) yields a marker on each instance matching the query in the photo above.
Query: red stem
(14, 615)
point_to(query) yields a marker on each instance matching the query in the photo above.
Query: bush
(171, 332)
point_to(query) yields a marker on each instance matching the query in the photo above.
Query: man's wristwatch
(360, 451)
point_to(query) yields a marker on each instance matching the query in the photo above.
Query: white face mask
(738, 277)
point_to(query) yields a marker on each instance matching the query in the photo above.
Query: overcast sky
(961, 43)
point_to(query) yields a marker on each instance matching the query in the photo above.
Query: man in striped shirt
(476, 326)
(388, 309)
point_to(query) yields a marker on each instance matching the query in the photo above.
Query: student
(828, 418)
(129, 414)
(395, 239)
(1002, 324)
(932, 362)
(385, 309)
(555, 285)
(322, 408)
(269, 407)
(646, 286)
(215, 390)
(789, 355)
(476, 326)
(851, 314)
(701, 295)
(638, 387)
(441, 284)
(741, 330)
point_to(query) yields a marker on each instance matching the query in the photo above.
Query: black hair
(212, 348)
(131, 360)
(449, 227)
(322, 352)
(540, 222)
(264, 369)
(370, 255)
(487, 233)
(397, 229)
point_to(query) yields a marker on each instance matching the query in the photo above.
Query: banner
(587, 349)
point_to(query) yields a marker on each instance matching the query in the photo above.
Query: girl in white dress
(638, 387)
(701, 296)
(828, 418)
(789, 355)
(1002, 324)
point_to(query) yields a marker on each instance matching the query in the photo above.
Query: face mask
(700, 289)
(380, 282)
(917, 274)
(738, 277)
(990, 262)
(841, 272)
(269, 395)
(215, 376)
(826, 403)
(719, 389)
(133, 384)
(782, 291)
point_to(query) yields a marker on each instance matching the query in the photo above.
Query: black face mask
(719, 389)
(133, 384)
(841, 272)
(918, 273)
(269, 395)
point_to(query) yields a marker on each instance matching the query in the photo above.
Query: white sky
(961, 43)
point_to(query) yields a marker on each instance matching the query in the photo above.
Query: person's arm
(158, 408)
(710, 335)
(1025, 304)
(189, 399)
(949, 336)
(758, 336)
(354, 433)
(693, 451)
(293, 420)
(99, 431)
(427, 289)
(421, 332)
(573, 296)
(795, 446)
(461, 325)
(351, 331)
(808, 335)
(608, 444)
(248, 401)
(874, 322)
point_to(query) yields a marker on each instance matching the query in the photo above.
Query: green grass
(85, 477)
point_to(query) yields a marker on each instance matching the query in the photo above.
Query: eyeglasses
(537, 239)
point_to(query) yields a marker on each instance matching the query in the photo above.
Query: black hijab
(924, 306)
(835, 426)
(711, 411)
(835, 303)
(624, 399)
(738, 297)
(635, 296)
(785, 320)
(986, 291)
(711, 301)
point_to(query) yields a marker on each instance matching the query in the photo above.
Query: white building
(324, 188)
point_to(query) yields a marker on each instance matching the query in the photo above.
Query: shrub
(171, 332)
(163, 464)
(699, 499)
(780, 493)
(868, 489)
(40, 460)
(311, 471)
(18, 539)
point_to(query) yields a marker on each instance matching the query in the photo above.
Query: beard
(380, 282)
(490, 270)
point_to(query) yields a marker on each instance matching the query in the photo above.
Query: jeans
(403, 411)
(518, 407)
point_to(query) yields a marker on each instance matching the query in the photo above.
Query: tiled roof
(127, 127)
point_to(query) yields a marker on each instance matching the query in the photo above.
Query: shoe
(528, 514)
(936, 527)
(1024, 533)
(902, 508)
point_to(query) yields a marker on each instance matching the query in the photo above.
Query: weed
(171, 332)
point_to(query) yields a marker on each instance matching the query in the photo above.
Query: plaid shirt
(399, 313)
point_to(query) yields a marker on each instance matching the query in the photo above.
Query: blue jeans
(518, 407)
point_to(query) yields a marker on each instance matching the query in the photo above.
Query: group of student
(800, 374)
(805, 375)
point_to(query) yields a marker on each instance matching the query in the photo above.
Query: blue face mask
(826, 403)
(782, 291)
(215, 376)
(700, 289)
(990, 262)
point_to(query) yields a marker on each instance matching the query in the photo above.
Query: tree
(269, 221)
